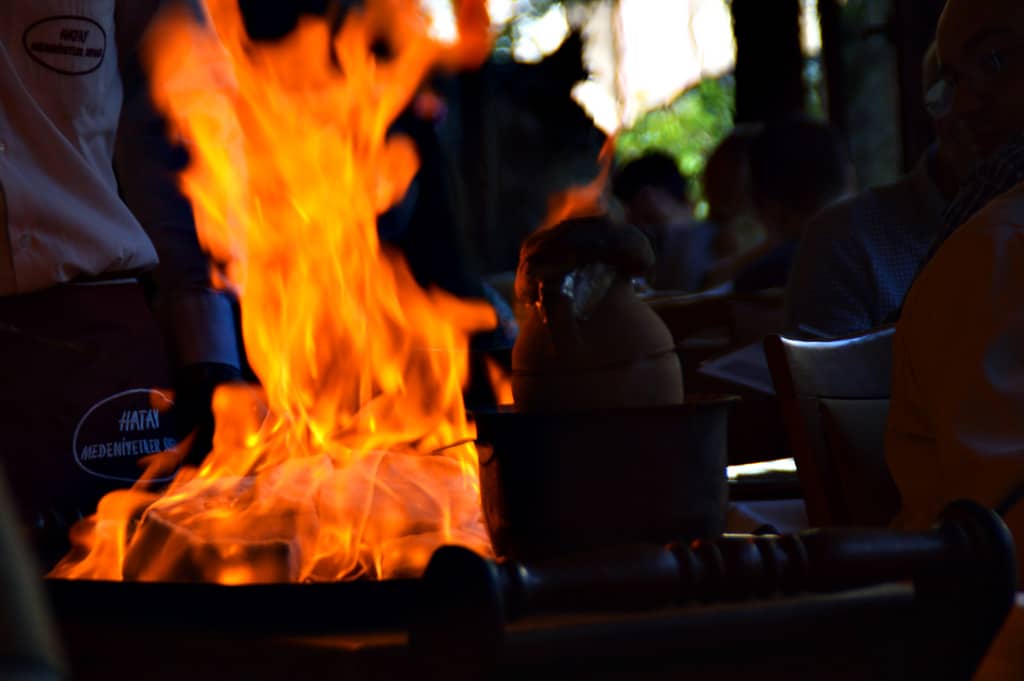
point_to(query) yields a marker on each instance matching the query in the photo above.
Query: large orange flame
(353, 461)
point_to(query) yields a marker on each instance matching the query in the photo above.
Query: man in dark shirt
(858, 258)
(798, 166)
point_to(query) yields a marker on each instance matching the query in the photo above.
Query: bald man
(956, 421)
(982, 61)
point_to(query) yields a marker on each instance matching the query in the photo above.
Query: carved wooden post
(830, 18)
(962, 572)
(912, 29)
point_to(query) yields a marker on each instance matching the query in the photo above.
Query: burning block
(187, 542)
(377, 515)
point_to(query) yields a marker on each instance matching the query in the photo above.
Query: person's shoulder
(995, 230)
(986, 251)
(902, 193)
(838, 214)
(1003, 213)
(847, 217)
(771, 270)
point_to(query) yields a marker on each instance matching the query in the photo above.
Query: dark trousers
(84, 381)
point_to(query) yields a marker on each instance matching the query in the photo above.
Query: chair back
(834, 396)
(757, 314)
(689, 314)
(710, 324)
(736, 318)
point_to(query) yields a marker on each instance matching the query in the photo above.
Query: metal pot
(554, 483)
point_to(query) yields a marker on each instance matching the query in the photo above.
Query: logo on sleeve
(70, 45)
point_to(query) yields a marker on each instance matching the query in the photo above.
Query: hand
(193, 393)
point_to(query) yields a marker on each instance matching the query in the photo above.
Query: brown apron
(84, 381)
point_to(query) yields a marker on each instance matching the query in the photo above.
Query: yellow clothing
(956, 421)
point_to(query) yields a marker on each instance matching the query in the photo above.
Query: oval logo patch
(119, 430)
(70, 45)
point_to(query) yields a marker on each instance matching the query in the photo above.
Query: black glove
(193, 413)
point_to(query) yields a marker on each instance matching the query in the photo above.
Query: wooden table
(669, 643)
(724, 641)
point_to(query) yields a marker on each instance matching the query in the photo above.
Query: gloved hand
(193, 414)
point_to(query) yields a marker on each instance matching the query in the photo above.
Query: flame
(583, 201)
(343, 465)
(501, 382)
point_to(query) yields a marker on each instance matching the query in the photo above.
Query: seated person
(727, 191)
(956, 420)
(655, 196)
(858, 258)
(798, 166)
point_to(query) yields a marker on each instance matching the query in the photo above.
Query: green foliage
(815, 82)
(688, 129)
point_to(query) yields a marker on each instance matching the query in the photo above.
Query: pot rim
(690, 403)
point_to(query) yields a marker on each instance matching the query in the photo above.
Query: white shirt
(61, 216)
(956, 419)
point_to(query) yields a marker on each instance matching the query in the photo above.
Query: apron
(84, 398)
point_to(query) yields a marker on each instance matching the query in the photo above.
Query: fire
(501, 382)
(353, 460)
(586, 200)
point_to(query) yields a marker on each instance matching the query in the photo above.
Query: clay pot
(586, 340)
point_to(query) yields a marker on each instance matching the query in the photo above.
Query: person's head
(797, 167)
(981, 53)
(652, 190)
(726, 176)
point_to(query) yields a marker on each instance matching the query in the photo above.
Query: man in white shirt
(80, 348)
(956, 421)
(858, 257)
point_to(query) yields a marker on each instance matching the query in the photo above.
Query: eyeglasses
(981, 75)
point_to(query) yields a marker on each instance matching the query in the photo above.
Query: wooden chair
(719, 321)
(711, 324)
(28, 644)
(834, 396)
(841, 603)
(756, 315)
(700, 323)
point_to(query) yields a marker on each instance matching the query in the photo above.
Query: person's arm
(198, 321)
(829, 283)
(725, 270)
